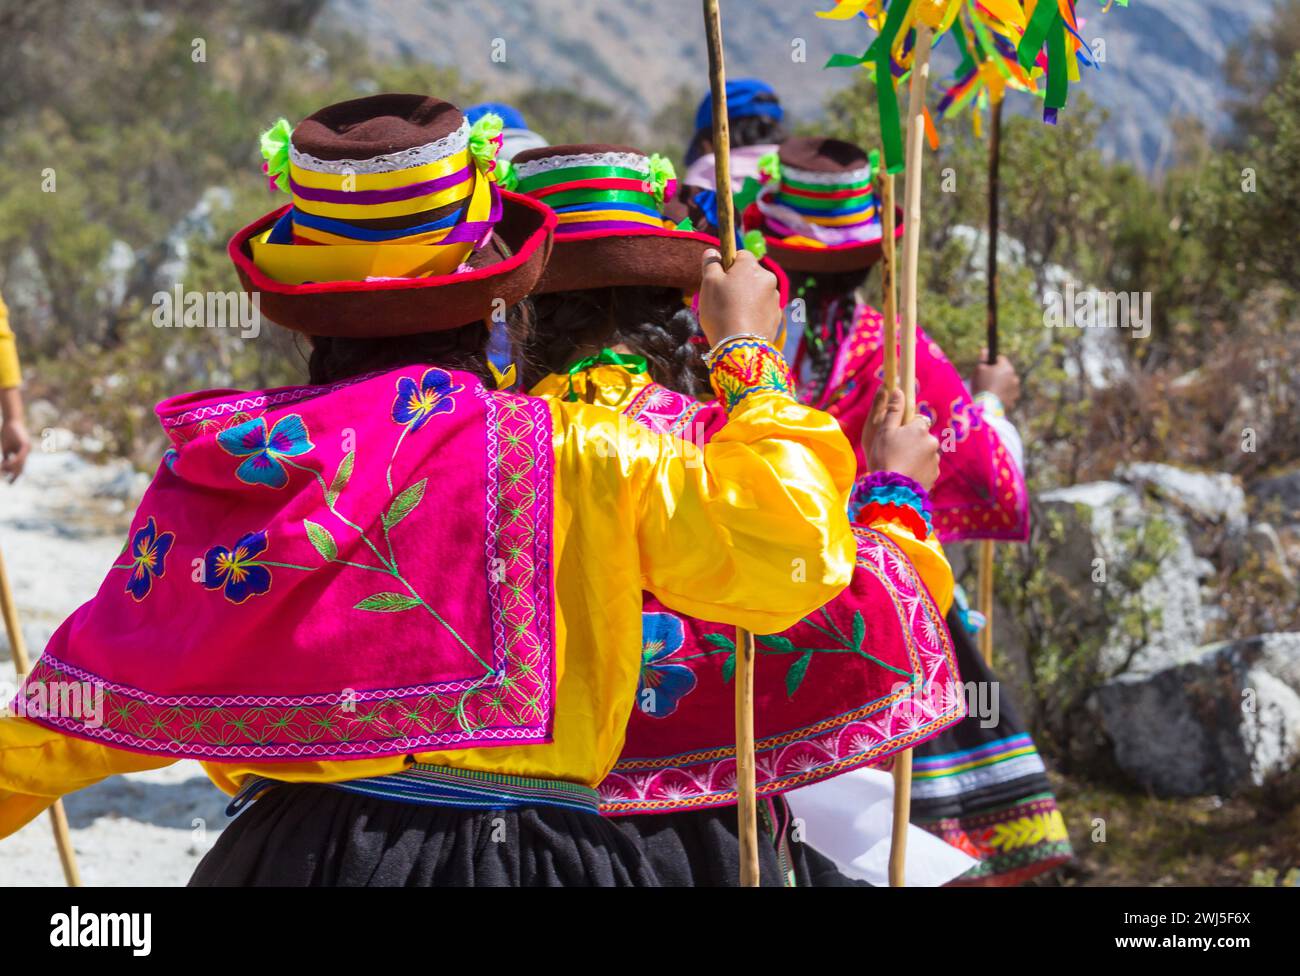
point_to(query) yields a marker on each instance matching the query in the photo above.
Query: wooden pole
(991, 273)
(58, 817)
(746, 796)
(888, 269)
(920, 82)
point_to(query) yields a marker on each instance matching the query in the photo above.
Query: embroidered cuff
(893, 496)
(746, 366)
(990, 404)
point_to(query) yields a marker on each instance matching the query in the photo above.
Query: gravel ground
(61, 525)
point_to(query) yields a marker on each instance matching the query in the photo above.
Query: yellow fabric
(614, 387)
(295, 264)
(715, 540)
(10, 374)
(380, 181)
(395, 208)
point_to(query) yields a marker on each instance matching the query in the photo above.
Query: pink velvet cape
(356, 570)
(870, 673)
(980, 493)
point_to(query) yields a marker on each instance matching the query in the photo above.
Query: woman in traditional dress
(868, 674)
(395, 612)
(983, 789)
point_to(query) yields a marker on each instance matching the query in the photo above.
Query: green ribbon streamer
(891, 129)
(1058, 77)
(606, 357)
(1036, 32)
(967, 59)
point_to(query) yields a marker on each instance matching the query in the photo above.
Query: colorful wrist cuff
(893, 496)
(745, 366)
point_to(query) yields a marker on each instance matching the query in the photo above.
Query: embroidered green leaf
(729, 666)
(341, 477)
(778, 643)
(387, 603)
(404, 503)
(721, 641)
(320, 538)
(794, 677)
(859, 630)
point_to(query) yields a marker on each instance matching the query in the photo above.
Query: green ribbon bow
(507, 176)
(275, 143)
(770, 164)
(661, 173)
(606, 357)
(485, 141)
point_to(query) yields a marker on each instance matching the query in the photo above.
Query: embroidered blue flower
(262, 449)
(149, 549)
(170, 457)
(662, 635)
(237, 569)
(415, 404)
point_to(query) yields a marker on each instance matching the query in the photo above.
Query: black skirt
(985, 790)
(700, 848)
(306, 835)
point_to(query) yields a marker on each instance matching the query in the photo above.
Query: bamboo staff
(58, 817)
(920, 81)
(746, 797)
(887, 273)
(986, 546)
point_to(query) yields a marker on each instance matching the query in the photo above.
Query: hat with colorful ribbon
(817, 206)
(609, 201)
(393, 196)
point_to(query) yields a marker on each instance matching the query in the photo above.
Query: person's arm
(14, 440)
(751, 529)
(38, 765)
(997, 389)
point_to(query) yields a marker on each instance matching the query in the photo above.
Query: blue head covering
(511, 117)
(743, 102)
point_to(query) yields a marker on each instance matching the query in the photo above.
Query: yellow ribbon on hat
(380, 181)
(297, 264)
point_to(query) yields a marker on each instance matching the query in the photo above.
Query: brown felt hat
(612, 232)
(397, 225)
(821, 215)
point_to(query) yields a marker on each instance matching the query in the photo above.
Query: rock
(1224, 718)
(1263, 542)
(1207, 498)
(1278, 497)
(1131, 571)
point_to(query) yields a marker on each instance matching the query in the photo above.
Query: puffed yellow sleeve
(38, 765)
(10, 375)
(749, 530)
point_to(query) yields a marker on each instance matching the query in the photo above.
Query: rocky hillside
(1163, 57)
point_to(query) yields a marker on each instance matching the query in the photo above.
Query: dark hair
(651, 322)
(334, 359)
(464, 348)
(830, 302)
(752, 130)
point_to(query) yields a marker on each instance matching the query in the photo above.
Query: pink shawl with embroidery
(328, 573)
(980, 493)
(870, 673)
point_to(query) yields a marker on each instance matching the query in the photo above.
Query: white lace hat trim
(430, 152)
(548, 163)
(827, 179)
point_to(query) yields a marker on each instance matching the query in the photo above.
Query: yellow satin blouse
(714, 540)
(614, 387)
(10, 375)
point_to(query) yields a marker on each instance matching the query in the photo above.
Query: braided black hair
(752, 130)
(829, 305)
(650, 322)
